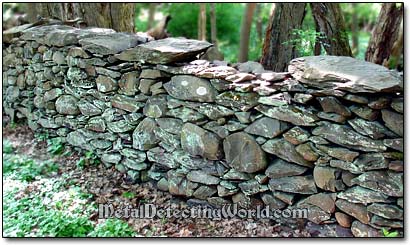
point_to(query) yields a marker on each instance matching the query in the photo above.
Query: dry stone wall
(326, 136)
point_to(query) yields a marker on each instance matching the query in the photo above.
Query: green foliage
(26, 169)
(128, 194)
(304, 41)
(112, 228)
(7, 147)
(387, 233)
(55, 146)
(89, 158)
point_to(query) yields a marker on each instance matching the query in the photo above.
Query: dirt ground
(107, 185)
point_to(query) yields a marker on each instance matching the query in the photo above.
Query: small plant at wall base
(89, 158)
(387, 233)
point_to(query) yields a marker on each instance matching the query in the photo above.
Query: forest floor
(49, 191)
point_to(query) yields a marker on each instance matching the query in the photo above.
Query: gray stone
(356, 98)
(358, 194)
(164, 51)
(202, 177)
(126, 103)
(374, 130)
(331, 117)
(280, 168)
(238, 100)
(129, 83)
(110, 43)
(145, 85)
(365, 112)
(243, 153)
(307, 151)
(252, 187)
(386, 182)
(387, 211)
(218, 72)
(170, 125)
(345, 136)
(52, 94)
(143, 137)
(106, 84)
(186, 114)
(119, 126)
(294, 114)
(362, 230)
(76, 74)
(76, 138)
(280, 99)
(294, 184)
(243, 117)
(394, 121)
(267, 127)
(233, 174)
(250, 66)
(302, 98)
(327, 178)
(67, 105)
(96, 124)
(155, 106)
(339, 153)
(398, 104)
(344, 73)
(380, 222)
(214, 112)
(272, 202)
(111, 158)
(88, 109)
(152, 74)
(190, 88)
(285, 150)
(203, 192)
(396, 144)
(331, 104)
(107, 72)
(296, 135)
(199, 142)
(379, 102)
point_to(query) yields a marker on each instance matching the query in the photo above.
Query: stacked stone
(326, 136)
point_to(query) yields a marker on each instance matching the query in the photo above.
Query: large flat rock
(165, 51)
(345, 73)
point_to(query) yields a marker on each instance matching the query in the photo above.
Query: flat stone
(302, 98)
(356, 98)
(190, 88)
(280, 99)
(217, 72)
(358, 194)
(238, 100)
(67, 105)
(365, 112)
(344, 73)
(200, 142)
(252, 187)
(111, 158)
(387, 211)
(119, 126)
(356, 210)
(386, 182)
(243, 153)
(296, 135)
(203, 178)
(327, 178)
(240, 77)
(250, 67)
(286, 151)
(398, 105)
(380, 222)
(272, 202)
(280, 168)
(394, 121)
(396, 144)
(186, 114)
(156, 106)
(331, 117)
(374, 130)
(324, 201)
(52, 94)
(212, 111)
(294, 114)
(203, 192)
(164, 51)
(294, 184)
(126, 103)
(331, 104)
(343, 220)
(267, 127)
(88, 108)
(379, 102)
(170, 125)
(362, 230)
(347, 137)
(307, 151)
(109, 44)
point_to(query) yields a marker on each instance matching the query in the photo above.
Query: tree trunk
(258, 13)
(118, 16)
(245, 32)
(385, 33)
(355, 36)
(151, 15)
(202, 22)
(213, 26)
(396, 56)
(331, 24)
(285, 18)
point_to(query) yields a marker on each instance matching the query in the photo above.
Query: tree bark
(331, 24)
(285, 18)
(385, 33)
(245, 32)
(202, 22)
(355, 27)
(259, 31)
(214, 39)
(118, 16)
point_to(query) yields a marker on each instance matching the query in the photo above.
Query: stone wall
(326, 136)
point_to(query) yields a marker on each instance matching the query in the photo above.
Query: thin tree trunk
(355, 36)
(331, 24)
(213, 26)
(258, 13)
(318, 47)
(245, 32)
(286, 17)
(118, 16)
(202, 22)
(385, 33)
(151, 15)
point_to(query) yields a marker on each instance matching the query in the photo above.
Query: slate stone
(296, 135)
(202, 177)
(243, 154)
(386, 182)
(356, 210)
(190, 88)
(398, 105)
(387, 211)
(109, 44)
(106, 84)
(67, 105)
(344, 73)
(143, 137)
(294, 114)
(267, 127)
(126, 103)
(164, 51)
(394, 121)
(358, 194)
(155, 107)
(331, 104)
(286, 151)
(200, 142)
(294, 184)
(280, 168)
(365, 112)
(374, 130)
(327, 178)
